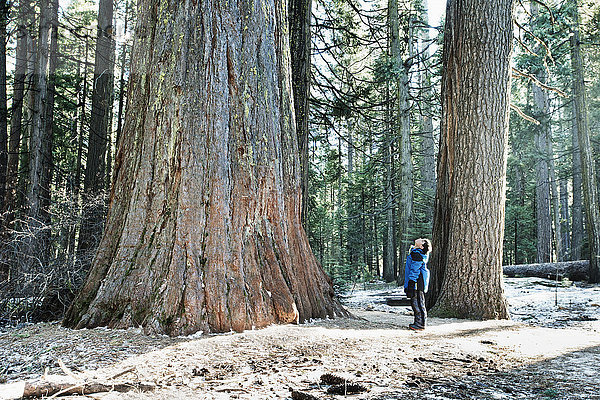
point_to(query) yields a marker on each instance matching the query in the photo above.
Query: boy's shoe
(416, 327)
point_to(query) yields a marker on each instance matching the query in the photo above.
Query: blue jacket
(416, 265)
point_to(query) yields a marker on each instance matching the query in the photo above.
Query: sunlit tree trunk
(588, 172)
(203, 230)
(468, 227)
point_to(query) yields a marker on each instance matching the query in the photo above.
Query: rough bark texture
(574, 270)
(204, 230)
(588, 172)
(469, 212)
(300, 14)
(95, 167)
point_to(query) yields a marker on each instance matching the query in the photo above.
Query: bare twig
(523, 115)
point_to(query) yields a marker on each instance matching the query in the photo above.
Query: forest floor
(549, 350)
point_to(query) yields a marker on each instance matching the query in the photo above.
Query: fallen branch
(24, 390)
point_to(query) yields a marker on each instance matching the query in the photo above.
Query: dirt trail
(452, 359)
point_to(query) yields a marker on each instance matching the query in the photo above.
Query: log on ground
(574, 270)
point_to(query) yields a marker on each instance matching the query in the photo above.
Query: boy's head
(423, 244)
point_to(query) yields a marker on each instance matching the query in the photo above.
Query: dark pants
(417, 302)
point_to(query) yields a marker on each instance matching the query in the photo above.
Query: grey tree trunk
(3, 107)
(38, 191)
(95, 167)
(203, 230)
(401, 125)
(541, 104)
(556, 204)
(564, 220)
(542, 186)
(300, 41)
(588, 172)
(577, 224)
(468, 226)
(23, 21)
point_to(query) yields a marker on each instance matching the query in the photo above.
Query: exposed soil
(547, 351)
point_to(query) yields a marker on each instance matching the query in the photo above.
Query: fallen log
(574, 270)
(42, 388)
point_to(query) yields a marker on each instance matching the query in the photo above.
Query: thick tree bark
(95, 167)
(203, 231)
(588, 172)
(469, 213)
(299, 16)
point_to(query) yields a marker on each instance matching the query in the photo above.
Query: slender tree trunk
(588, 172)
(37, 251)
(564, 220)
(389, 241)
(577, 224)
(542, 186)
(402, 116)
(95, 167)
(555, 204)
(541, 104)
(122, 85)
(3, 108)
(469, 213)
(16, 125)
(204, 230)
(428, 175)
(300, 14)
(48, 142)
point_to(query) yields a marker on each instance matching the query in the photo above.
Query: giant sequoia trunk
(469, 212)
(203, 230)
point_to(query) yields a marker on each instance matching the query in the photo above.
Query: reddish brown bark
(204, 230)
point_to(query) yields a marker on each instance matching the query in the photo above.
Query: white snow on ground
(536, 301)
(545, 302)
